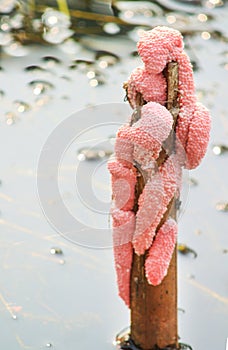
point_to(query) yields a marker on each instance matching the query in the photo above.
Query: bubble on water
(135, 33)
(96, 78)
(72, 66)
(106, 58)
(6, 6)
(51, 60)
(205, 35)
(138, 11)
(37, 25)
(222, 206)
(65, 77)
(40, 86)
(2, 94)
(93, 82)
(202, 17)
(192, 182)
(91, 154)
(185, 250)
(41, 101)
(5, 38)
(214, 3)
(56, 251)
(4, 24)
(57, 35)
(91, 74)
(111, 28)
(16, 22)
(34, 69)
(51, 18)
(56, 26)
(16, 49)
(219, 149)
(10, 118)
(21, 106)
(70, 47)
(171, 19)
(82, 65)
(122, 336)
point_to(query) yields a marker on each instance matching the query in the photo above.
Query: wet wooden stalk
(154, 308)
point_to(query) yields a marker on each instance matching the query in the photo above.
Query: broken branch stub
(154, 308)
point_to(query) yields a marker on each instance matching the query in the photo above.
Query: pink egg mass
(137, 150)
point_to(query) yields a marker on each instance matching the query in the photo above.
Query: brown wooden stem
(154, 309)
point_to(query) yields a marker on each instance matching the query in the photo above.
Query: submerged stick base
(153, 309)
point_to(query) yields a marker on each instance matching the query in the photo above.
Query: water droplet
(222, 206)
(105, 58)
(21, 106)
(34, 69)
(48, 345)
(62, 262)
(219, 149)
(111, 28)
(14, 317)
(184, 249)
(55, 250)
(40, 86)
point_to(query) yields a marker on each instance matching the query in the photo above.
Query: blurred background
(62, 67)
